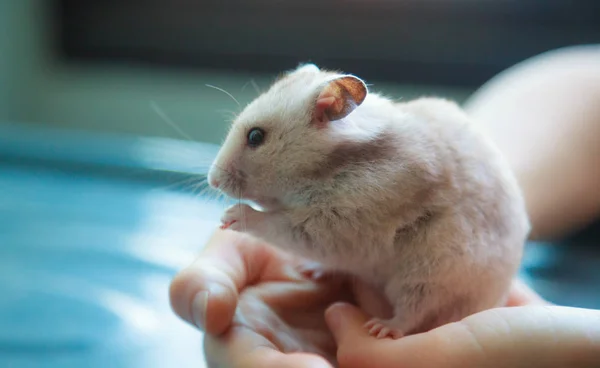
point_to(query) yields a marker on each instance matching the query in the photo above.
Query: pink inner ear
(323, 103)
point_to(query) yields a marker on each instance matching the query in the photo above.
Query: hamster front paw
(312, 270)
(238, 217)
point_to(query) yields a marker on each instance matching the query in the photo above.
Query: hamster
(409, 197)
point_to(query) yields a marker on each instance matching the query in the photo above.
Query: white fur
(437, 270)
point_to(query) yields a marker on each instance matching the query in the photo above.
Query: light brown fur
(409, 197)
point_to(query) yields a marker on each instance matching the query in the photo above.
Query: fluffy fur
(409, 197)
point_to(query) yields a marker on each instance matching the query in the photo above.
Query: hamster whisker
(229, 115)
(193, 178)
(204, 182)
(195, 186)
(239, 204)
(256, 88)
(227, 93)
(225, 170)
(220, 196)
(254, 85)
(207, 191)
(166, 119)
(208, 194)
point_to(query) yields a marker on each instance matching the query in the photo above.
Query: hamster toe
(380, 330)
(311, 270)
(227, 225)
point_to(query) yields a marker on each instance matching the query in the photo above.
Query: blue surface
(88, 247)
(85, 265)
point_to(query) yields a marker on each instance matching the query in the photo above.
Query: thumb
(346, 323)
(500, 337)
(355, 347)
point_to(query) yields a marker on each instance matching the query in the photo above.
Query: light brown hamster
(408, 197)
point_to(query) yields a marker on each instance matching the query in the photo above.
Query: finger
(527, 336)
(356, 348)
(242, 347)
(300, 295)
(275, 359)
(540, 336)
(521, 294)
(345, 322)
(205, 293)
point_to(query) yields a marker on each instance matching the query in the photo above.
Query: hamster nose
(213, 180)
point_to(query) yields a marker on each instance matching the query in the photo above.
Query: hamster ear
(339, 97)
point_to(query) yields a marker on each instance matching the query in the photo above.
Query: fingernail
(336, 315)
(199, 306)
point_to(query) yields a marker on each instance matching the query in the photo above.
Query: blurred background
(106, 126)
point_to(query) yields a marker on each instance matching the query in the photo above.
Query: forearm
(545, 116)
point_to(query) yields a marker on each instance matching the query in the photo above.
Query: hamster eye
(255, 137)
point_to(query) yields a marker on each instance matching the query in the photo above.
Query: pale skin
(261, 312)
(545, 116)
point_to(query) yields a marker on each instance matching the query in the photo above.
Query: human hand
(259, 310)
(529, 332)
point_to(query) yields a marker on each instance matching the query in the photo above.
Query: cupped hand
(258, 311)
(528, 332)
(256, 308)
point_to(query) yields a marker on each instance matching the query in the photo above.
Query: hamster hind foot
(381, 329)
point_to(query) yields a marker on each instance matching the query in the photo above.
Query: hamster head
(276, 143)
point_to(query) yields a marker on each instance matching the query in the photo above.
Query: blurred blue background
(99, 203)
